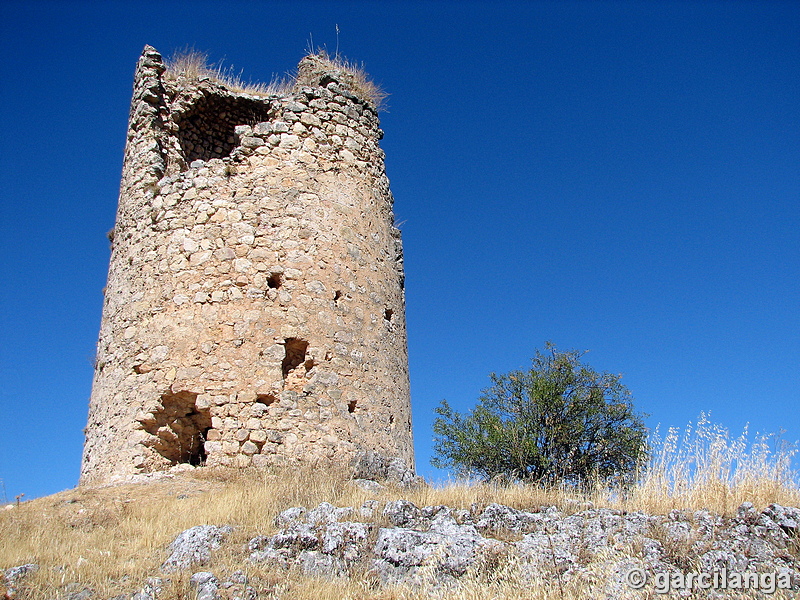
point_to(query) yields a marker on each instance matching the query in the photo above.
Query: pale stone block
(289, 141)
(258, 435)
(213, 447)
(246, 396)
(310, 119)
(242, 265)
(198, 258)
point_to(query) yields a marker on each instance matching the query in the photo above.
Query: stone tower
(254, 312)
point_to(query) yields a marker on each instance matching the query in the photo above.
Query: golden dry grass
(194, 66)
(705, 467)
(356, 77)
(112, 538)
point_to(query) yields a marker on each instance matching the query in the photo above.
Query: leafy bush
(558, 421)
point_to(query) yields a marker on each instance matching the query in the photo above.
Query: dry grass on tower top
(194, 65)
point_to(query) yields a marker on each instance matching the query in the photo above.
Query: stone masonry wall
(254, 311)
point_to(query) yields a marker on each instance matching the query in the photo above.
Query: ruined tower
(254, 312)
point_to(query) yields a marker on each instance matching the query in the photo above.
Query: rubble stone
(194, 546)
(436, 546)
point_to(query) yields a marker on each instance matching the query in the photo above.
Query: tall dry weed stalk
(706, 467)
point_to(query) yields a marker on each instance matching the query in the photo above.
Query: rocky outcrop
(607, 553)
(437, 545)
(194, 546)
(15, 575)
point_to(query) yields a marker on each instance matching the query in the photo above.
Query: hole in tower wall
(206, 130)
(179, 429)
(351, 406)
(266, 399)
(275, 280)
(387, 314)
(295, 354)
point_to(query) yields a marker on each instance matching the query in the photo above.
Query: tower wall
(254, 312)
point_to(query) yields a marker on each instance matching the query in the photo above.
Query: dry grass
(111, 539)
(354, 75)
(705, 467)
(194, 66)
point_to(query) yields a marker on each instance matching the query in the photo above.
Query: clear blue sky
(616, 177)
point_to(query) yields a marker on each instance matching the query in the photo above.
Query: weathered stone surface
(151, 589)
(436, 546)
(16, 575)
(194, 546)
(787, 518)
(449, 548)
(368, 485)
(289, 516)
(496, 517)
(77, 591)
(251, 262)
(374, 466)
(206, 584)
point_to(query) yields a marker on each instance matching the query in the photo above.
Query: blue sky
(616, 177)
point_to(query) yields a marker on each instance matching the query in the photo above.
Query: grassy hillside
(111, 539)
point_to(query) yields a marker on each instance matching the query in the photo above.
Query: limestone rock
(151, 589)
(15, 575)
(194, 546)
(206, 584)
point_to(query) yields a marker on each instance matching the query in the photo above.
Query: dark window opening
(295, 354)
(274, 281)
(179, 429)
(387, 314)
(336, 295)
(206, 130)
(351, 406)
